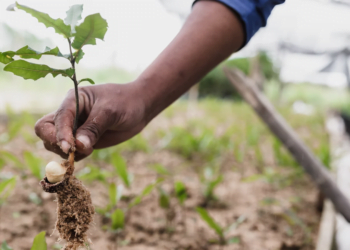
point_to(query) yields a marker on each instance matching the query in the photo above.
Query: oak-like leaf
(73, 16)
(5, 59)
(33, 71)
(59, 26)
(87, 80)
(94, 26)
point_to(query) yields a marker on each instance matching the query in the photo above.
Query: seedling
(118, 222)
(146, 191)
(39, 242)
(165, 203)
(75, 210)
(6, 187)
(180, 192)
(160, 170)
(181, 195)
(221, 232)
(4, 246)
(34, 164)
(210, 181)
(121, 169)
(91, 173)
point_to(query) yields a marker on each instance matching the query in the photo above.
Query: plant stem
(74, 79)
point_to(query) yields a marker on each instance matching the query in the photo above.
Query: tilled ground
(273, 217)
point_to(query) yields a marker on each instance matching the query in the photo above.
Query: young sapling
(75, 211)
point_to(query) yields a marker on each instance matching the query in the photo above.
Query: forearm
(211, 34)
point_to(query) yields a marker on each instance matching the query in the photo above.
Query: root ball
(75, 213)
(74, 207)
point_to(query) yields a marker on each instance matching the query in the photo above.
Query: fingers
(63, 120)
(55, 129)
(98, 122)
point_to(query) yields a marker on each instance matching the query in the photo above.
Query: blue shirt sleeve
(253, 13)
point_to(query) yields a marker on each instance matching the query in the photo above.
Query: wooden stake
(290, 139)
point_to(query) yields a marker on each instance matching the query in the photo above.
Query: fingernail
(65, 146)
(84, 140)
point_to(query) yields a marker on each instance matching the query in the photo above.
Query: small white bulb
(55, 172)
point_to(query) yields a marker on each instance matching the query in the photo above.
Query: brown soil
(75, 211)
(273, 217)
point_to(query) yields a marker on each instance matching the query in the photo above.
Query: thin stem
(74, 79)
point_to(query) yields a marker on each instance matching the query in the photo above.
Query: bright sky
(140, 29)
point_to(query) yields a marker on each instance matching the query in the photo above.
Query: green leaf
(34, 164)
(210, 221)
(29, 53)
(33, 71)
(209, 191)
(234, 225)
(6, 187)
(180, 191)
(2, 163)
(118, 219)
(234, 240)
(78, 55)
(92, 173)
(39, 242)
(73, 16)
(120, 167)
(160, 169)
(146, 191)
(4, 246)
(120, 190)
(112, 191)
(87, 80)
(11, 157)
(164, 199)
(5, 59)
(94, 26)
(44, 18)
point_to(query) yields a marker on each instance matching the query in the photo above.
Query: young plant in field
(221, 232)
(39, 242)
(181, 194)
(165, 203)
(121, 169)
(210, 181)
(145, 192)
(75, 210)
(6, 187)
(34, 164)
(4, 246)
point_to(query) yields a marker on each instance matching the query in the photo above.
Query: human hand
(108, 115)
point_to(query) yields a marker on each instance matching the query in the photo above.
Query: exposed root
(74, 208)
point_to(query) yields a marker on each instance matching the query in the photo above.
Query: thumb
(98, 122)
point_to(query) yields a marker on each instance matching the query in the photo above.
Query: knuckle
(111, 115)
(38, 127)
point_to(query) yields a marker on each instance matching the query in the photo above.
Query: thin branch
(74, 79)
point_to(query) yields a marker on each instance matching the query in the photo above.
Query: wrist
(145, 89)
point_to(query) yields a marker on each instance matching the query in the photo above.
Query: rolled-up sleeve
(253, 13)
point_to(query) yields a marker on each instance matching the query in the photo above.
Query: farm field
(213, 158)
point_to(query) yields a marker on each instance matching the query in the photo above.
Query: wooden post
(290, 139)
(325, 239)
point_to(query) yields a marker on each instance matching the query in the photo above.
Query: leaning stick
(290, 139)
